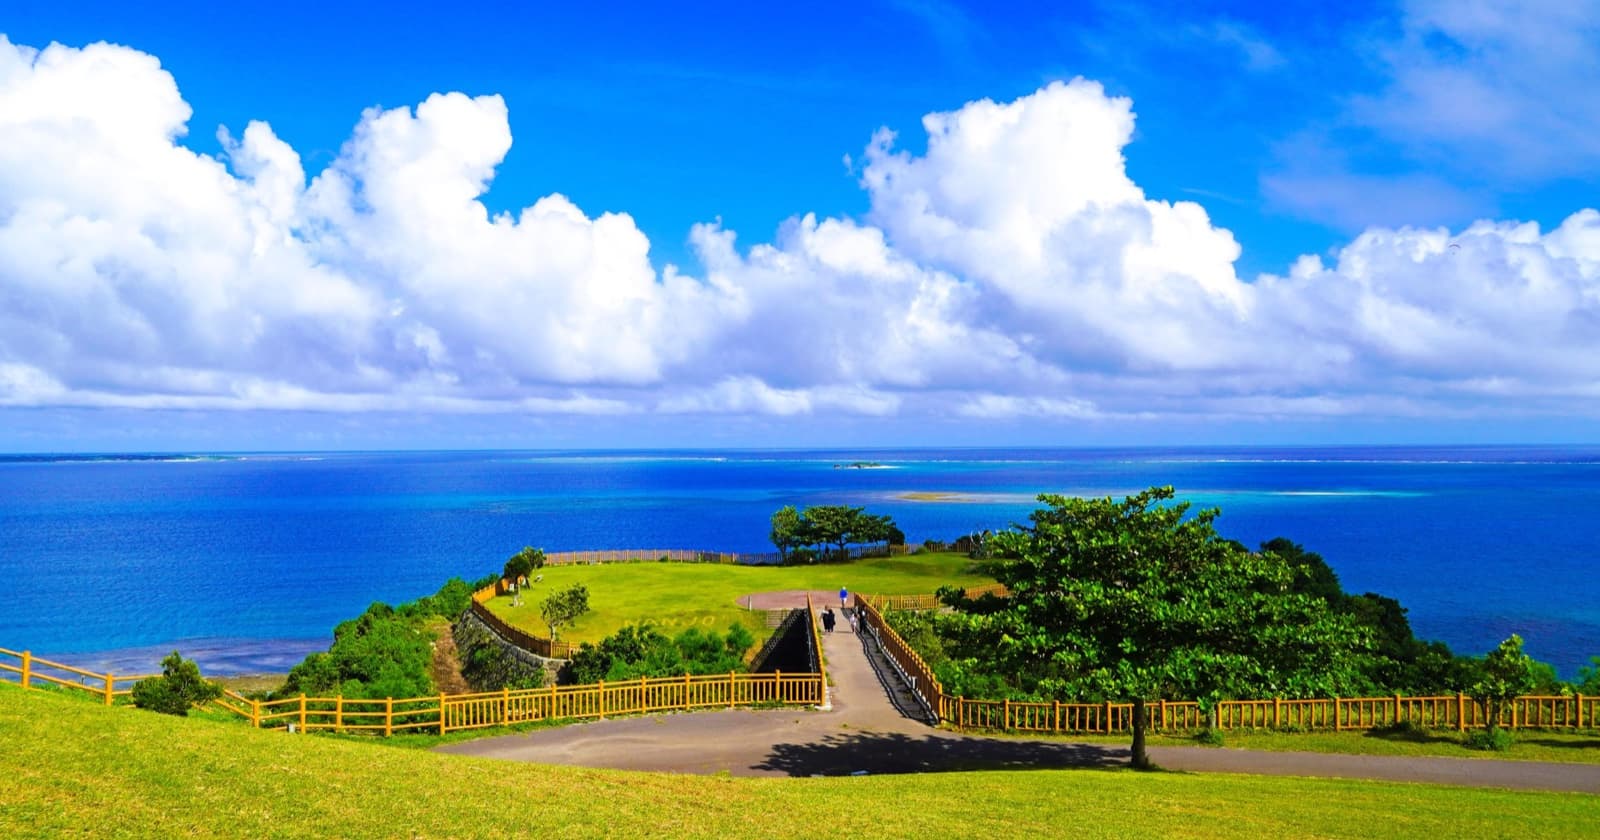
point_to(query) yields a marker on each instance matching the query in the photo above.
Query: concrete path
(874, 727)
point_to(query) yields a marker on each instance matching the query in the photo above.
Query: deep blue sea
(246, 562)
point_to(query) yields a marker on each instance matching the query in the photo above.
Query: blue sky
(1171, 223)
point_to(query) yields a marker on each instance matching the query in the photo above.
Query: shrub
(1404, 730)
(522, 564)
(179, 688)
(637, 651)
(1209, 737)
(1494, 740)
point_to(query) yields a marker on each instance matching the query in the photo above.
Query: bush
(638, 651)
(1492, 740)
(179, 688)
(1209, 737)
(1404, 730)
(382, 653)
(522, 564)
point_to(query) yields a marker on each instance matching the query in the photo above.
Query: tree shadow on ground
(879, 753)
(1412, 736)
(1583, 744)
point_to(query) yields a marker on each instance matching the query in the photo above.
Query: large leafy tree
(1136, 600)
(788, 531)
(835, 525)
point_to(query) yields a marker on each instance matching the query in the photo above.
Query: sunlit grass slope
(676, 596)
(71, 768)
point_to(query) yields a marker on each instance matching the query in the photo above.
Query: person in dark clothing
(827, 619)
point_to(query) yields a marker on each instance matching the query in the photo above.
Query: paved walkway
(874, 727)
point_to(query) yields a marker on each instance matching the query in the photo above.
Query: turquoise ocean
(247, 561)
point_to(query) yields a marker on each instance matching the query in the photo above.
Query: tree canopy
(1136, 600)
(522, 564)
(563, 606)
(788, 531)
(835, 526)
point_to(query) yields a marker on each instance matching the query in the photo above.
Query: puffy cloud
(1012, 270)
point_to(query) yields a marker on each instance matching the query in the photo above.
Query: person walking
(827, 619)
(844, 595)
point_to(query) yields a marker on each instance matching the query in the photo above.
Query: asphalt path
(873, 726)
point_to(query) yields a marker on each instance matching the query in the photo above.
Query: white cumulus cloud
(1013, 270)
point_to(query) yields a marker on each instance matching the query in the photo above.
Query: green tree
(179, 688)
(564, 606)
(788, 531)
(1589, 677)
(1133, 600)
(523, 563)
(1504, 674)
(833, 525)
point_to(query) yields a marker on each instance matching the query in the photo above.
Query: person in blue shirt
(844, 594)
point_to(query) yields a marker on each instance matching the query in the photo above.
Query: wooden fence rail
(548, 648)
(452, 712)
(655, 555)
(29, 670)
(1458, 711)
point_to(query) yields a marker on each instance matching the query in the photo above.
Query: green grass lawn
(676, 596)
(76, 769)
(1529, 745)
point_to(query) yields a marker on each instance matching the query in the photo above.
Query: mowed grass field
(676, 596)
(73, 768)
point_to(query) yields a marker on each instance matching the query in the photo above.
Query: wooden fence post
(1578, 718)
(1338, 722)
(686, 692)
(777, 686)
(505, 705)
(441, 713)
(602, 699)
(27, 667)
(110, 681)
(1461, 712)
(1163, 703)
(1108, 717)
(255, 713)
(730, 689)
(302, 711)
(338, 713)
(1055, 716)
(1005, 715)
(1396, 718)
(388, 716)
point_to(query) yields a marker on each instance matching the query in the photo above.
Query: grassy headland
(676, 596)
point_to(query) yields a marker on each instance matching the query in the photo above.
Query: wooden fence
(451, 712)
(655, 555)
(918, 676)
(1458, 711)
(31, 671)
(918, 603)
(455, 712)
(548, 648)
(816, 653)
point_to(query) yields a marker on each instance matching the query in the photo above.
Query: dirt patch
(787, 599)
(447, 665)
